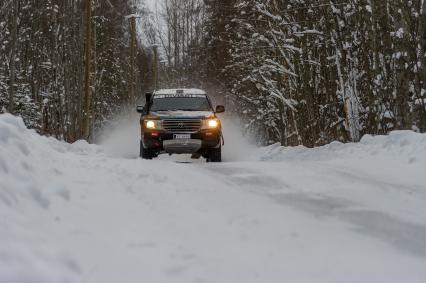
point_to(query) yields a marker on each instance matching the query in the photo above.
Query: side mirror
(140, 109)
(220, 109)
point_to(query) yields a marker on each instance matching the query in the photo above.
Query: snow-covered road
(340, 213)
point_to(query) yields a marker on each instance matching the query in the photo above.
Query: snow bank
(70, 213)
(381, 173)
(21, 263)
(401, 146)
(25, 156)
(24, 171)
(21, 150)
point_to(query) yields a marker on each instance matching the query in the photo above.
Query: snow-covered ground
(339, 213)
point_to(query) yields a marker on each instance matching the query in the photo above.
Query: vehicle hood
(183, 114)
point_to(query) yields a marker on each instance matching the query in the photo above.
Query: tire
(145, 153)
(215, 155)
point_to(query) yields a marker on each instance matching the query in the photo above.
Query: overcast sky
(151, 4)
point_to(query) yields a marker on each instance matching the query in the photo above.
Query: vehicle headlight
(153, 124)
(211, 124)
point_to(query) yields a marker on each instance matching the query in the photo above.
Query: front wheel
(215, 155)
(145, 153)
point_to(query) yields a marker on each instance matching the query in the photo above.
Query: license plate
(181, 136)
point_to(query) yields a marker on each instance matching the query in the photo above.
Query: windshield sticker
(161, 96)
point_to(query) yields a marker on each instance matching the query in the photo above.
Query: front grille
(182, 125)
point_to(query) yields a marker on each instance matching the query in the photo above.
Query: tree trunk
(422, 33)
(132, 60)
(87, 91)
(155, 68)
(13, 57)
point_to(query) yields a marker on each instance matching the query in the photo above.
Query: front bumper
(182, 146)
(161, 141)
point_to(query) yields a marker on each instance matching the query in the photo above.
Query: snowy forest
(294, 71)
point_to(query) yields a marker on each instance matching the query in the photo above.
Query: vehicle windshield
(173, 103)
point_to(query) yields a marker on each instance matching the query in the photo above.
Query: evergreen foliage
(310, 72)
(296, 71)
(49, 57)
